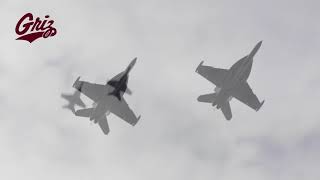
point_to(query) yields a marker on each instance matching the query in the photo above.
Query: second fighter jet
(230, 83)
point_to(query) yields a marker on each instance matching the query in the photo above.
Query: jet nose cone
(133, 62)
(259, 44)
(255, 50)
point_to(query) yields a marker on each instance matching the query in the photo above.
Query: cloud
(177, 137)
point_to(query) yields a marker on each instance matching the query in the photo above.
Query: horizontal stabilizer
(207, 98)
(226, 110)
(103, 123)
(84, 112)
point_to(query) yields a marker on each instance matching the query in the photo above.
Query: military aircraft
(73, 99)
(107, 99)
(230, 83)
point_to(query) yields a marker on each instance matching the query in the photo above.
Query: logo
(30, 29)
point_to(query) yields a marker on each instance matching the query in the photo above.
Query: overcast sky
(177, 137)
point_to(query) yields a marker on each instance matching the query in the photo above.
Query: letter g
(26, 26)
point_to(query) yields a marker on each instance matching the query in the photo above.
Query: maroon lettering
(25, 26)
(30, 29)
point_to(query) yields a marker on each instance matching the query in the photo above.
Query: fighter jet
(73, 99)
(107, 99)
(230, 83)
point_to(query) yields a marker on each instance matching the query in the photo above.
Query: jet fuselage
(237, 74)
(100, 108)
(120, 87)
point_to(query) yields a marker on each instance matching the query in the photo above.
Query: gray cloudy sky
(177, 137)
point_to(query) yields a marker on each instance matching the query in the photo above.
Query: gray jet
(230, 83)
(73, 99)
(107, 99)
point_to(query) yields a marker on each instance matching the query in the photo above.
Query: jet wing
(214, 75)
(93, 91)
(245, 94)
(123, 111)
